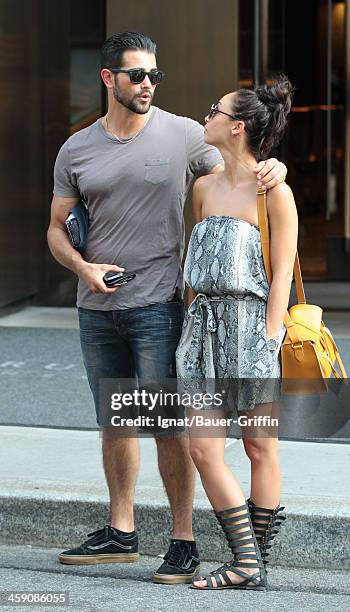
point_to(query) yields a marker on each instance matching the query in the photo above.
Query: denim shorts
(136, 343)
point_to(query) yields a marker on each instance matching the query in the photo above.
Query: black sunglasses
(137, 75)
(214, 110)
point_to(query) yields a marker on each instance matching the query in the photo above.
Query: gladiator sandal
(241, 540)
(266, 523)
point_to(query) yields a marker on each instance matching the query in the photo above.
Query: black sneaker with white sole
(181, 563)
(107, 545)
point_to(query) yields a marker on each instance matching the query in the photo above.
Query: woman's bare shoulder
(203, 183)
(280, 200)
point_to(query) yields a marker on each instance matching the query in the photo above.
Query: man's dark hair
(114, 47)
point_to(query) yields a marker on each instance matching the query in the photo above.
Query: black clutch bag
(77, 224)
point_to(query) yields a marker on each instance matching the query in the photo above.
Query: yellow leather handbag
(309, 352)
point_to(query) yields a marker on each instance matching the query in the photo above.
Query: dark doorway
(307, 42)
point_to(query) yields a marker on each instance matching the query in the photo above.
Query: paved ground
(129, 588)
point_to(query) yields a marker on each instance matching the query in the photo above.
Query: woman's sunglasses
(214, 110)
(137, 75)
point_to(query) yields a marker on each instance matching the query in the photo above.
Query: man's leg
(121, 461)
(177, 471)
(107, 355)
(153, 334)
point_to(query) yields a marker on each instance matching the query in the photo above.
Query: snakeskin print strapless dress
(223, 333)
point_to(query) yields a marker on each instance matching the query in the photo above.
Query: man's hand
(92, 274)
(270, 173)
(62, 250)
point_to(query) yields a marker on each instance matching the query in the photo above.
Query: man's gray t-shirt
(135, 192)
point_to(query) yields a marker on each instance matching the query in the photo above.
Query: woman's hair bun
(276, 94)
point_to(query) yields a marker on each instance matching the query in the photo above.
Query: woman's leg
(265, 471)
(261, 446)
(221, 486)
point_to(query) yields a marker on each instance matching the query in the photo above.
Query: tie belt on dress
(202, 301)
(202, 351)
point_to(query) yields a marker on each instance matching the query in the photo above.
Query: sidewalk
(52, 493)
(52, 488)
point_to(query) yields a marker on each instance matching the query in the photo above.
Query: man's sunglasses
(137, 75)
(214, 110)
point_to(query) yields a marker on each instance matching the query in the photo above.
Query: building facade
(51, 88)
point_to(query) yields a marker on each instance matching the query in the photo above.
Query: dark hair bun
(277, 95)
(277, 99)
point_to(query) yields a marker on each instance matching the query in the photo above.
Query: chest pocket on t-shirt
(156, 170)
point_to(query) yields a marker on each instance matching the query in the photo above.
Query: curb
(305, 540)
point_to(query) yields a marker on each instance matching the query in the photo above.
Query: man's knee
(177, 442)
(117, 444)
(174, 456)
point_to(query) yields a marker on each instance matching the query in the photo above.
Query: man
(134, 168)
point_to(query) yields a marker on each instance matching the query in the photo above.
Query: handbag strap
(338, 359)
(265, 246)
(265, 243)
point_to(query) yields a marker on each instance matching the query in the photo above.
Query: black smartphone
(115, 279)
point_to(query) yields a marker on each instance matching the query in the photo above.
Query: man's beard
(133, 104)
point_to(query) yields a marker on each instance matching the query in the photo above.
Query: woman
(234, 325)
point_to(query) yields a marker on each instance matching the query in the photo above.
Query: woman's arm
(283, 222)
(197, 199)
